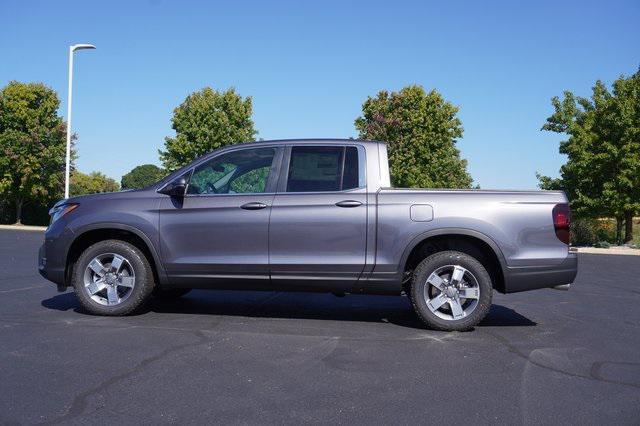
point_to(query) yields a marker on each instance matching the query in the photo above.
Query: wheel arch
(92, 234)
(468, 241)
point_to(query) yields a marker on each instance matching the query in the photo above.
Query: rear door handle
(253, 206)
(348, 203)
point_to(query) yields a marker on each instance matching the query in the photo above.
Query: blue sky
(310, 65)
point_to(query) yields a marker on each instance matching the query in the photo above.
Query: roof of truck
(316, 140)
(270, 142)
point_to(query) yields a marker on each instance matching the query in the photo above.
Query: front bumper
(52, 272)
(531, 278)
(53, 254)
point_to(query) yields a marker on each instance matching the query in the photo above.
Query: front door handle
(253, 206)
(348, 203)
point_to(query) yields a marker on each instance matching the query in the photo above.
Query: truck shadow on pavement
(308, 306)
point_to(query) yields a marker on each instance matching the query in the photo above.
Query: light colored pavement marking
(21, 289)
(23, 227)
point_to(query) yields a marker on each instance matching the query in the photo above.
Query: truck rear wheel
(451, 291)
(112, 277)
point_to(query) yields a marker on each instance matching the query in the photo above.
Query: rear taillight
(561, 221)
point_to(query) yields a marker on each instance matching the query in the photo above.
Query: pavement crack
(80, 402)
(594, 373)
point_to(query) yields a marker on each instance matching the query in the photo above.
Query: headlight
(60, 210)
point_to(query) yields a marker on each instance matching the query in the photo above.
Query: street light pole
(72, 49)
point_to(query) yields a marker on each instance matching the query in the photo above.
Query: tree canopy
(422, 130)
(32, 144)
(602, 172)
(92, 183)
(142, 176)
(205, 121)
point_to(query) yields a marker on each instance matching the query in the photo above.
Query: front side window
(244, 171)
(323, 168)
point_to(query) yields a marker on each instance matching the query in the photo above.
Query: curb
(23, 228)
(613, 250)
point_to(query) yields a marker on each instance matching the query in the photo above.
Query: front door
(317, 232)
(217, 235)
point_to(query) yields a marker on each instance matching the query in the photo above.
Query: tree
(32, 145)
(422, 130)
(621, 125)
(142, 176)
(94, 182)
(602, 172)
(549, 184)
(205, 121)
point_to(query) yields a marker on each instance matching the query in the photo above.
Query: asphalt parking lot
(224, 357)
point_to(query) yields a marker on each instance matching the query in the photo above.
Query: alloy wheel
(452, 292)
(109, 279)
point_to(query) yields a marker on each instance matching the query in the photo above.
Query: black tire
(442, 260)
(139, 294)
(169, 293)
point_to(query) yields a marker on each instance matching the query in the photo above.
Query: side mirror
(175, 188)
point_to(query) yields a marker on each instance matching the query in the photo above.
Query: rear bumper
(531, 278)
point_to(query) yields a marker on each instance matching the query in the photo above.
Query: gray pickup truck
(308, 215)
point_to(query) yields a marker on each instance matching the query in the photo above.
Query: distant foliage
(583, 232)
(549, 184)
(205, 121)
(94, 182)
(32, 145)
(422, 130)
(602, 172)
(142, 176)
(33, 213)
(251, 182)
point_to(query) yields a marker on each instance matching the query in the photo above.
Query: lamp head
(82, 46)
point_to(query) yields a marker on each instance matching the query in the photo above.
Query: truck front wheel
(112, 277)
(451, 291)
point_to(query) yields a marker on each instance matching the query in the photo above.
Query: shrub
(589, 231)
(32, 213)
(583, 232)
(602, 244)
(606, 230)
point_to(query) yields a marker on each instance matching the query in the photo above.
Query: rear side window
(323, 168)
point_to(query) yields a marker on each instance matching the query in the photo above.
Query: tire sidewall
(419, 281)
(144, 282)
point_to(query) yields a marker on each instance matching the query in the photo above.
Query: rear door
(317, 231)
